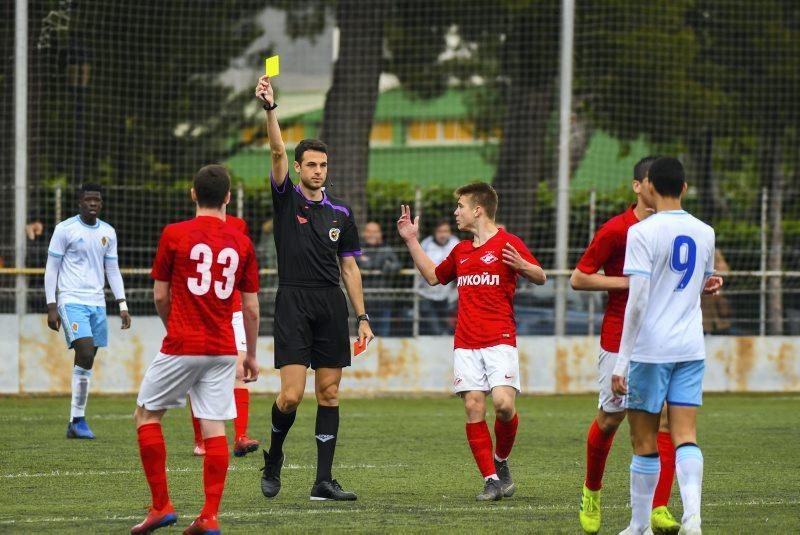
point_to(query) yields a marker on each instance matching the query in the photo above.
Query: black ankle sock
(326, 430)
(281, 423)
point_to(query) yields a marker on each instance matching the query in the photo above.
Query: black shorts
(311, 327)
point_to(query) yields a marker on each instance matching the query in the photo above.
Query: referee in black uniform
(317, 241)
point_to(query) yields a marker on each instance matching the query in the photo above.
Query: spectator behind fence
(436, 305)
(266, 252)
(379, 266)
(716, 307)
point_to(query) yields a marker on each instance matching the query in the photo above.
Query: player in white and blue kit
(668, 259)
(82, 252)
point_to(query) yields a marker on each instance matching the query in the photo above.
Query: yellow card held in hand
(272, 66)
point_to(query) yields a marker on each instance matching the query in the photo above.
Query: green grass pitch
(407, 459)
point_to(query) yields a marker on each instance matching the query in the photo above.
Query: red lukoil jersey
(486, 288)
(607, 251)
(205, 260)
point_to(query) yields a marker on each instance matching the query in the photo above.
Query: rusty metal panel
(36, 359)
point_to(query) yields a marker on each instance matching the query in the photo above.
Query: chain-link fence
(138, 95)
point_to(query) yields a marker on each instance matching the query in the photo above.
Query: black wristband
(268, 107)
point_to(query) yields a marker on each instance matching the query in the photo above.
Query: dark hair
(211, 185)
(642, 167)
(667, 176)
(89, 187)
(481, 194)
(441, 222)
(309, 144)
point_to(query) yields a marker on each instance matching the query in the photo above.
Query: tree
(133, 93)
(350, 101)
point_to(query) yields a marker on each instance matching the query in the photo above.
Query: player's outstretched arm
(51, 270)
(634, 316)
(351, 277)
(596, 282)
(409, 231)
(250, 312)
(280, 161)
(162, 300)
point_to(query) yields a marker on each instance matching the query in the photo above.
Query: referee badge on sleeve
(333, 234)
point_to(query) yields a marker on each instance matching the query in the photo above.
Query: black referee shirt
(310, 236)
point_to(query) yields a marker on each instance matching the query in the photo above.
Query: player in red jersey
(242, 444)
(485, 354)
(198, 266)
(607, 252)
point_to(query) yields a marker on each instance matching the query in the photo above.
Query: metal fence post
(417, 277)
(562, 198)
(762, 296)
(20, 150)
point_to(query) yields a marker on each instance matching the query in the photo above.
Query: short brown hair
(211, 185)
(481, 194)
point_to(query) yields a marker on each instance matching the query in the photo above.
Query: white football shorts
(608, 401)
(238, 331)
(207, 379)
(485, 368)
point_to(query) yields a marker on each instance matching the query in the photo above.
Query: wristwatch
(362, 317)
(267, 107)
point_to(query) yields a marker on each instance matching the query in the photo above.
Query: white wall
(34, 359)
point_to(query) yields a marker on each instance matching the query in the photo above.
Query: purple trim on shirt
(350, 253)
(325, 200)
(282, 188)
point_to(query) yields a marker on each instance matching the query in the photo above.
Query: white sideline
(73, 473)
(272, 512)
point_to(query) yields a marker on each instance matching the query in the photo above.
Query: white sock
(80, 391)
(644, 478)
(689, 467)
(493, 476)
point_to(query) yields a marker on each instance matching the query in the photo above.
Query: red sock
(480, 441)
(198, 434)
(242, 396)
(504, 434)
(215, 468)
(598, 444)
(153, 452)
(666, 453)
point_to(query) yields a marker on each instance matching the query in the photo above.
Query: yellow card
(273, 66)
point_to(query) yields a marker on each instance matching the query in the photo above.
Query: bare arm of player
(351, 277)
(513, 259)
(50, 284)
(280, 161)
(162, 299)
(634, 316)
(251, 320)
(409, 231)
(596, 282)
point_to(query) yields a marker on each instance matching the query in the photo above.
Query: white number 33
(204, 255)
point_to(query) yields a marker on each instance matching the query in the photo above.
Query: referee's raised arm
(280, 162)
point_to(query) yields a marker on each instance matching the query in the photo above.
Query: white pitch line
(241, 515)
(234, 468)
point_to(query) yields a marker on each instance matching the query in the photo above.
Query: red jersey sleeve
(248, 282)
(165, 256)
(598, 252)
(446, 271)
